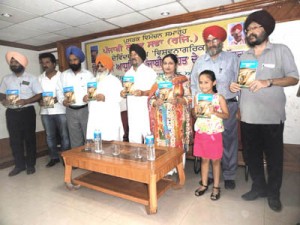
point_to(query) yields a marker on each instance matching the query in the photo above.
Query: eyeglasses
(252, 29)
(213, 41)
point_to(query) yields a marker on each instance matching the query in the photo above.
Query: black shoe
(275, 204)
(229, 184)
(15, 171)
(30, 170)
(209, 181)
(215, 196)
(252, 195)
(52, 162)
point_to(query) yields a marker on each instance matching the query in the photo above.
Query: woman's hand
(158, 102)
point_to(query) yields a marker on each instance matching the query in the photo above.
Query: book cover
(128, 82)
(165, 90)
(12, 96)
(91, 90)
(69, 94)
(48, 99)
(204, 103)
(247, 72)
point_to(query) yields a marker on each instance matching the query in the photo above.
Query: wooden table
(125, 176)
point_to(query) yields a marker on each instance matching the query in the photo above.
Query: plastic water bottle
(149, 139)
(98, 141)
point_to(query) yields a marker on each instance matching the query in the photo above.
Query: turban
(139, 50)
(236, 27)
(263, 18)
(105, 60)
(17, 56)
(216, 31)
(75, 51)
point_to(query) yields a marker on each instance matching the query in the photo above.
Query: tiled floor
(42, 199)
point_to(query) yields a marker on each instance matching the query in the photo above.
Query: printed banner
(186, 42)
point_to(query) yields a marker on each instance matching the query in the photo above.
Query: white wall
(288, 33)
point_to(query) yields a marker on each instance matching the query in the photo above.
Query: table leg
(181, 177)
(152, 207)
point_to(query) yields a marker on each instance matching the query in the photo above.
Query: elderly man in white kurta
(104, 103)
(142, 78)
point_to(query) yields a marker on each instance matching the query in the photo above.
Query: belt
(20, 109)
(231, 99)
(78, 107)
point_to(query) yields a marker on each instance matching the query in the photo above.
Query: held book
(204, 103)
(165, 90)
(48, 99)
(12, 96)
(91, 90)
(69, 94)
(128, 82)
(247, 72)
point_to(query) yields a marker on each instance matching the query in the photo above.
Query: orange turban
(236, 27)
(17, 56)
(105, 60)
(216, 31)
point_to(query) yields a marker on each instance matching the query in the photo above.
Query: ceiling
(42, 22)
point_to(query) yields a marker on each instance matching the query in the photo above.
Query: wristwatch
(270, 82)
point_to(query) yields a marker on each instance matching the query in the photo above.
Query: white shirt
(79, 83)
(106, 116)
(50, 85)
(27, 85)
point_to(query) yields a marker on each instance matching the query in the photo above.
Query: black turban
(263, 18)
(139, 50)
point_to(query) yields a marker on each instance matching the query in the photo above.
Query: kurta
(106, 115)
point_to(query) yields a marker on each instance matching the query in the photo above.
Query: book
(204, 103)
(128, 82)
(247, 72)
(12, 96)
(69, 94)
(48, 99)
(91, 90)
(165, 90)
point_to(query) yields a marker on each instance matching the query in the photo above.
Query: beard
(101, 75)
(17, 69)
(75, 67)
(215, 49)
(258, 39)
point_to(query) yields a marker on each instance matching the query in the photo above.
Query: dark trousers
(264, 141)
(124, 117)
(21, 124)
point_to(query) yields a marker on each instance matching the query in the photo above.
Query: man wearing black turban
(142, 77)
(262, 128)
(72, 87)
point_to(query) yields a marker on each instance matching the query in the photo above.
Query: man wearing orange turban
(18, 92)
(225, 66)
(104, 102)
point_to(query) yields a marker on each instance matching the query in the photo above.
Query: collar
(207, 57)
(269, 46)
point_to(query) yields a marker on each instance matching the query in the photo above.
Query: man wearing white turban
(18, 92)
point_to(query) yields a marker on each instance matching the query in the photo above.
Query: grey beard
(216, 50)
(102, 75)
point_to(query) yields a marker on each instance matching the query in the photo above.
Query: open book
(91, 90)
(247, 72)
(69, 94)
(12, 96)
(48, 99)
(203, 105)
(128, 82)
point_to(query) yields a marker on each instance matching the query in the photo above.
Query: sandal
(200, 192)
(216, 196)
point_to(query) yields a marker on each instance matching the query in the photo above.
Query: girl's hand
(234, 87)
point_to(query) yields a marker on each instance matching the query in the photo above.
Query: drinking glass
(138, 153)
(116, 150)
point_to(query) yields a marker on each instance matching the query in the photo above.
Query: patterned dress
(171, 124)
